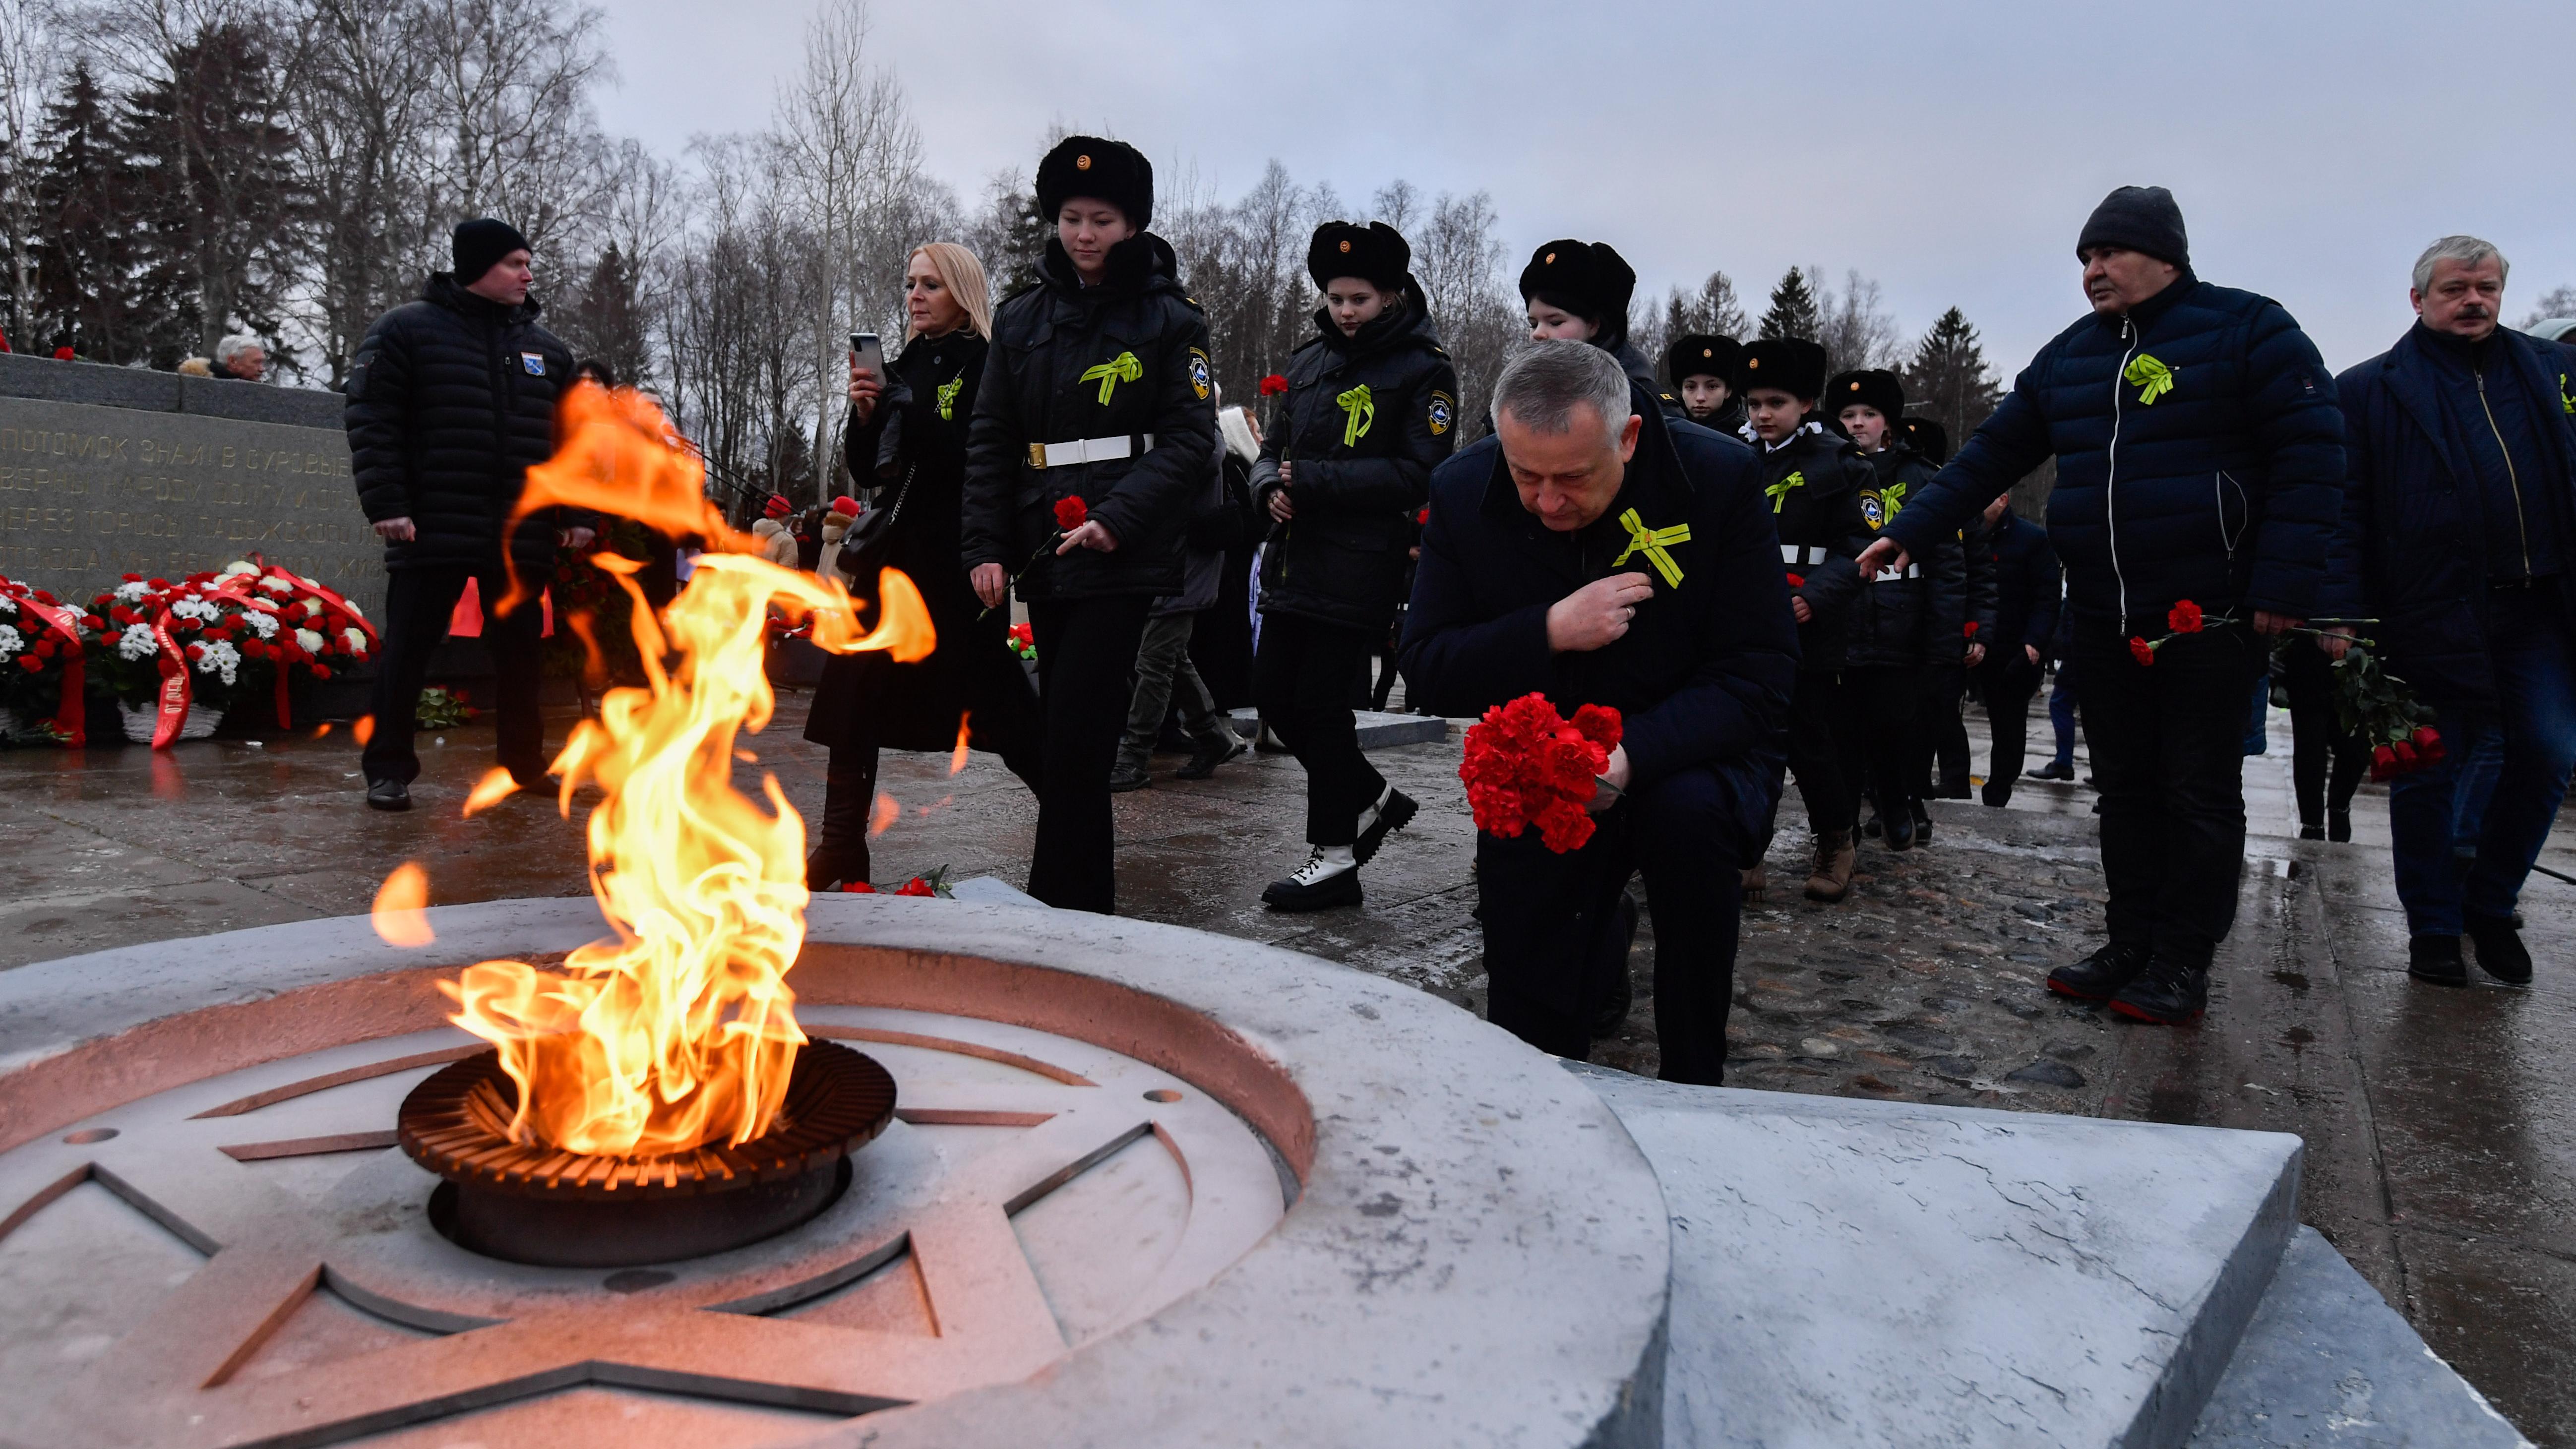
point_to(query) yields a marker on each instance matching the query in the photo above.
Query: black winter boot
(2165, 994)
(1923, 817)
(1214, 748)
(840, 853)
(2501, 953)
(2436, 959)
(2100, 976)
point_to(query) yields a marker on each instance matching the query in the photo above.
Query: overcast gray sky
(1950, 151)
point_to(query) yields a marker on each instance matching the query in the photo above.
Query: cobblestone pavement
(2440, 1158)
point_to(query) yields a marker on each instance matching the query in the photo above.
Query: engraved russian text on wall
(88, 493)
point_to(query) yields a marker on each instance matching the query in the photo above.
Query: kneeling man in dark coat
(1589, 553)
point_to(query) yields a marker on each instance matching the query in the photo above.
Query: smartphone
(870, 352)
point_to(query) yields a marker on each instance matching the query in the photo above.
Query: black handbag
(869, 545)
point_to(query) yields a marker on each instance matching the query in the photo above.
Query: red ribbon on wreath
(71, 715)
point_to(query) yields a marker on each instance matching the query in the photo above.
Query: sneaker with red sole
(2100, 976)
(2165, 995)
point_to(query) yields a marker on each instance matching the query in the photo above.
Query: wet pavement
(2441, 1158)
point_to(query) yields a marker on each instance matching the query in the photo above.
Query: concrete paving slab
(992, 890)
(1378, 729)
(2326, 1362)
(1850, 1272)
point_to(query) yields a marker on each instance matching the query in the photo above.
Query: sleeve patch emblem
(1873, 510)
(1442, 413)
(534, 362)
(1201, 374)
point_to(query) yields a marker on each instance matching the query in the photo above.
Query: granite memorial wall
(107, 470)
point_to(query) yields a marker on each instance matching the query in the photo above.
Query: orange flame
(883, 815)
(397, 915)
(957, 757)
(682, 1030)
(495, 786)
(364, 729)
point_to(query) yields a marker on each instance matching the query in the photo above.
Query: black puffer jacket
(1144, 347)
(2199, 456)
(1365, 421)
(1813, 484)
(1895, 621)
(451, 400)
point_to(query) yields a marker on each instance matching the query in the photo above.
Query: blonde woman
(907, 438)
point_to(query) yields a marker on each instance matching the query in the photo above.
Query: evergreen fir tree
(606, 322)
(84, 244)
(1793, 310)
(1949, 379)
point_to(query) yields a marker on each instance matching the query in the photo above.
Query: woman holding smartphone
(1094, 437)
(907, 435)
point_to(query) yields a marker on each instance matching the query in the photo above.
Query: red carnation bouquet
(1527, 765)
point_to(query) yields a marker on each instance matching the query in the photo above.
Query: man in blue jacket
(2461, 494)
(2199, 460)
(1596, 555)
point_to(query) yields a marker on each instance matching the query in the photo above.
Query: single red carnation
(321, 671)
(1070, 513)
(131, 578)
(858, 888)
(1968, 629)
(162, 584)
(1797, 581)
(1273, 385)
(2185, 618)
(2142, 651)
(916, 887)
(31, 663)
(1424, 515)
(92, 621)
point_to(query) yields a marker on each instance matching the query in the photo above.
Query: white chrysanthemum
(132, 592)
(11, 641)
(264, 605)
(218, 656)
(313, 608)
(356, 640)
(8, 605)
(137, 642)
(275, 585)
(264, 625)
(312, 642)
(309, 583)
(352, 606)
(197, 609)
(240, 566)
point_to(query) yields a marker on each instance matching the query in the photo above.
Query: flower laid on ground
(1526, 765)
(443, 709)
(934, 884)
(1024, 641)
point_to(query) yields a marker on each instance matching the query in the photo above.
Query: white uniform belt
(1791, 553)
(1089, 450)
(1911, 571)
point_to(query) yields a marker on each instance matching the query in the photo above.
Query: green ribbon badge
(2566, 399)
(1122, 368)
(948, 398)
(1778, 492)
(1652, 542)
(1890, 499)
(2151, 378)
(1362, 413)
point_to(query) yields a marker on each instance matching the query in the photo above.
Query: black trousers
(2318, 743)
(1086, 651)
(1943, 738)
(418, 603)
(1301, 679)
(2006, 682)
(2168, 747)
(1816, 723)
(1547, 917)
(1882, 705)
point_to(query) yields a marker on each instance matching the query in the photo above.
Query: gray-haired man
(2461, 490)
(1589, 553)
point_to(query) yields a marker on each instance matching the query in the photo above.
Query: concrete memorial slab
(1378, 729)
(110, 470)
(1144, 1186)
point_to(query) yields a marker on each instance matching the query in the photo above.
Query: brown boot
(1755, 882)
(1830, 881)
